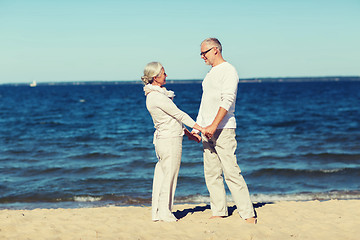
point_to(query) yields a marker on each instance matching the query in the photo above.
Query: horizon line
(251, 79)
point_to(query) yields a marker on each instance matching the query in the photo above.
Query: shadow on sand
(181, 214)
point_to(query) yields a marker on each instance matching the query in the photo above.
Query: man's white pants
(219, 159)
(168, 151)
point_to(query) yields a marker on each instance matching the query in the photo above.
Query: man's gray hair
(213, 42)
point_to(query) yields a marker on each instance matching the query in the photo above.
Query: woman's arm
(169, 107)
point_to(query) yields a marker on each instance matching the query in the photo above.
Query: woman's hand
(192, 136)
(201, 129)
(195, 137)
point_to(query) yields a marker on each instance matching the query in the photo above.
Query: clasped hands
(207, 131)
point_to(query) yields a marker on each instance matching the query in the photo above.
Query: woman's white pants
(168, 151)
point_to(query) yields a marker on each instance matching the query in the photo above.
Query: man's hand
(210, 130)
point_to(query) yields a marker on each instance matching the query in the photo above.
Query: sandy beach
(335, 219)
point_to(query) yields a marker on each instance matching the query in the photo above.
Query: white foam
(305, 196)
(86, 199)
(310, 196)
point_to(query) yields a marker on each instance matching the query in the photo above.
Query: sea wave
(302, 172)
(123, 200)
(305, 196)
(87, 199)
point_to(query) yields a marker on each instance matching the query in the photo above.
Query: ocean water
(91, 144)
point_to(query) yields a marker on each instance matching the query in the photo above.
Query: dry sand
(280, 220)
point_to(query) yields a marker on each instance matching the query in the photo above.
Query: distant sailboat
(33, 84)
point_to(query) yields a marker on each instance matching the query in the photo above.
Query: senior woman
(168, 122)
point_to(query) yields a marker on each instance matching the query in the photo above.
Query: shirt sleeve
(229, 89)
(169, 107)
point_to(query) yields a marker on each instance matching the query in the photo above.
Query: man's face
(207, 53)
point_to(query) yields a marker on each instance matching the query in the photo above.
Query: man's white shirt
(219, 90)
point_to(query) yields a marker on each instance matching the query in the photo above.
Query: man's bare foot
(215, 217)
(252, 220)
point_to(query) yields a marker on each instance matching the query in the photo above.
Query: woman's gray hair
(213, 42)
(151, 70)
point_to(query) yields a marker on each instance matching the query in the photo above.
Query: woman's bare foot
(252, 220)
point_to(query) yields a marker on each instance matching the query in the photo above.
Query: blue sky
(74, 40)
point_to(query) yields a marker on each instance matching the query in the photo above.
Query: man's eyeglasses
(205, 52)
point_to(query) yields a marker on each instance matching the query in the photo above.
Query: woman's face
(161, 79)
